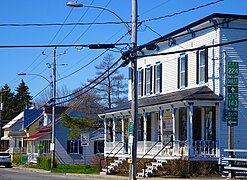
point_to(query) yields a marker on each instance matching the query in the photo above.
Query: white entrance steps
(150, 169)
(113, 165)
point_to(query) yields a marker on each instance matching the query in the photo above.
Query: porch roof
(36, 136)
(202, 93)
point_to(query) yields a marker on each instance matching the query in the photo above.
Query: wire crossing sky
(52, 22)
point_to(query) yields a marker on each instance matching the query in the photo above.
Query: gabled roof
(30, 116)
(193, 94)
(13, 121)
(196, 23)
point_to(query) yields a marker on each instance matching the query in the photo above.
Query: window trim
(185, 57)
(198, 67)
(158, 80)
(140, 82)
(148, 84)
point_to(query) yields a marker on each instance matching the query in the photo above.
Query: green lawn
(81, 169)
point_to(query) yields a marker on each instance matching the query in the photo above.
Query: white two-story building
(183, 93)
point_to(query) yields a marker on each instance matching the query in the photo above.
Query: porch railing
(180, 148)
(17, 150)
(112, 147)
(204, 148)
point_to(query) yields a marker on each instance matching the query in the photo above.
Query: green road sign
(233, 69)
(232, 122)
(232, 81)
(232, 103)
(131, 127)
(232, 89)
(232, 114)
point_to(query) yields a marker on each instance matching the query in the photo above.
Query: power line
(95, 80)
(194, 49)
(54, 45)
(108, 22)
(90, 88)
(182, 12)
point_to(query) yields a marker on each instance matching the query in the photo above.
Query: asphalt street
(17, 173)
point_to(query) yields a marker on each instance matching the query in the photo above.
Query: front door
(197, 124)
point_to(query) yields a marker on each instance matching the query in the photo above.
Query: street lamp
(24, 74)
(133, 60)
(75, 4)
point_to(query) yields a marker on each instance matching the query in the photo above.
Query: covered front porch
(38, 145)
(184, 126)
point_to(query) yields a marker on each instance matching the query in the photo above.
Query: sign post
(232, 104)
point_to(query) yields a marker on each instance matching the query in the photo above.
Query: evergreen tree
(22, 98)
(7, 100)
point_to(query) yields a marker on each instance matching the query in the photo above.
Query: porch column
(123, 141)
(145, 130)
(114, 129)
(190, 131)
(161, 127)
(122, 120)
(105, 134)
(173, 124)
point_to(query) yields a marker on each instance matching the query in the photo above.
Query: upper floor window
(158, 78)
(140, 82)
(148, 73)
(183, 71)
(202, 66)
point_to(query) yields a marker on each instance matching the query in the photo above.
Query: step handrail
(113, 149)
(148, 151)
(171, 141)
(112, 157)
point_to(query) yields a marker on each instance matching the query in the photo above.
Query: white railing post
(114, 129)
(145, 131)
(123, 140)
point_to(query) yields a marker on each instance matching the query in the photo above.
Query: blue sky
(31, 60)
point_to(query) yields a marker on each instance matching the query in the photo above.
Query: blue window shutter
(186, 70)
(197, 67)
(178, 73)
(68, 146)
(206, 65)
(160, 78)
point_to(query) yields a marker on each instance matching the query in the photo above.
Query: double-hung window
(148, 73)
(158, 78)
(202, 66)
(140, 82)
(183, 71)
(98, 147)
(74, 146)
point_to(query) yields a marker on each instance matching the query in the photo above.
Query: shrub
(17, 159)
(44, 162)
(187, 168)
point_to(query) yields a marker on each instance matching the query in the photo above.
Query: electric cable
(92, 82)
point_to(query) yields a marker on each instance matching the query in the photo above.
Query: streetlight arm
(24, 74)
(74, 4)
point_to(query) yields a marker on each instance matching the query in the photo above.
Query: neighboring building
(66, 151)
(184, 95)
(14, 131)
